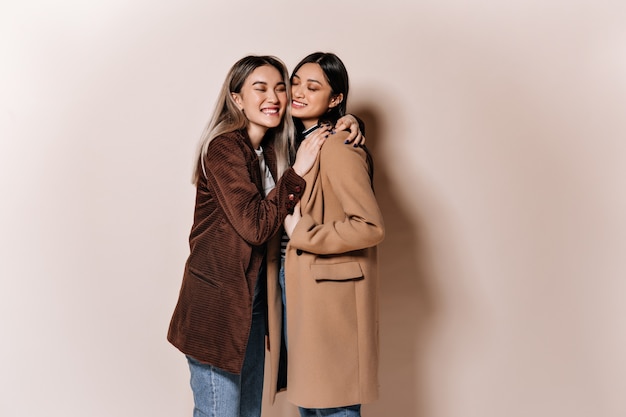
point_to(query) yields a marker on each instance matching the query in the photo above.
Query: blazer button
(298, 252)
(298, 189)
(291, 197)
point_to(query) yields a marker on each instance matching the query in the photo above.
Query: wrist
(297, 170)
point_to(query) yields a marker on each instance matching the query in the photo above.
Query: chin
(299, 115)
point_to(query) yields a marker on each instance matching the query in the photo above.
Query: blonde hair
(227, 117)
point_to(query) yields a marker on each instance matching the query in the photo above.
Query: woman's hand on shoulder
(308, 150)
(350, 123)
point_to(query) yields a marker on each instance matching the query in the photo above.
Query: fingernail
(346, 141)
(325, 136)
(355, 145)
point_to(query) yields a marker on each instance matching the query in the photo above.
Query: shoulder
(230, 147)
(235, 138)
(341, 160)
(230, 141)
(336, 144)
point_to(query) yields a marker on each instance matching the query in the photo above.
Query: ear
(336, 100)
(237, 99)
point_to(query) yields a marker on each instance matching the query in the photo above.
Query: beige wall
(499, 137)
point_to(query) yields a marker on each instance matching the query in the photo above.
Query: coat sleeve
(346, 170)
(254, 217)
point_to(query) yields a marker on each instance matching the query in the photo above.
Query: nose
(272, 96)
(296, 91)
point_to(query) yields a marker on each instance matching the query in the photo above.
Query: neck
(309, 123)
(256, 135)
(307, 132)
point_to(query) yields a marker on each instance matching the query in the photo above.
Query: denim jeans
(349, 411)
(217, 393)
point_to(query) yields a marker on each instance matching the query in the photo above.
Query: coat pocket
(202, 278)
(344, 271)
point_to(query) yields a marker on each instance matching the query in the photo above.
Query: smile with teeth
(298, 104)
(270, 111)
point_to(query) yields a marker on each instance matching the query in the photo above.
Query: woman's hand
(292, 220)
(349, 122)
(308, 150)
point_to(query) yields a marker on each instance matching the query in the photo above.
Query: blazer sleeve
(346, 169)
(254, 217)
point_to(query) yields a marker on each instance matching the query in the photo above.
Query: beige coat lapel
(313, 188)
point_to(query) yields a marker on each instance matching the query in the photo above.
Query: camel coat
(332, 283)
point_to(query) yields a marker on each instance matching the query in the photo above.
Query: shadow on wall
(407, 304)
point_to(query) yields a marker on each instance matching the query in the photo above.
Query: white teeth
(270, 111)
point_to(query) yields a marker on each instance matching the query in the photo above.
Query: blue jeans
(217, 393)
(349, 411)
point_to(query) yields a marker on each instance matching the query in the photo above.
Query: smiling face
(312, 95)
(263, 99)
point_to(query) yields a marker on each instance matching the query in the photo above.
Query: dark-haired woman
(331, 277)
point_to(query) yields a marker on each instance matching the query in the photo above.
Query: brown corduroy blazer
(232, 223)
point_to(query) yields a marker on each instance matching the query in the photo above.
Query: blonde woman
(219, 322)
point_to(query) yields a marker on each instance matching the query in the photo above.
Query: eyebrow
(265, 83)
(309, 80)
